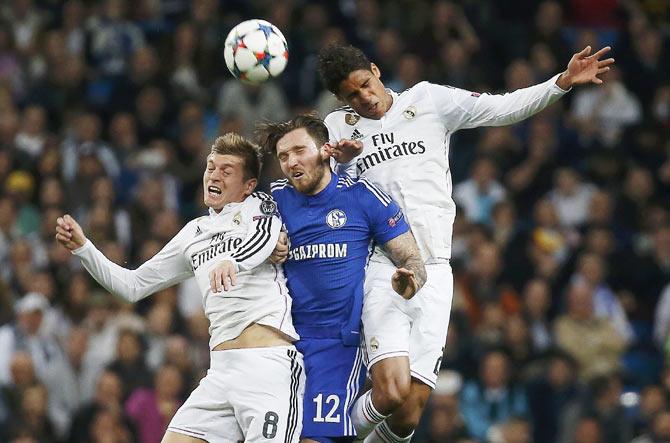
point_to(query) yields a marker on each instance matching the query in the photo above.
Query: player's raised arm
(161, 271)
(465, 109)
(411, 273)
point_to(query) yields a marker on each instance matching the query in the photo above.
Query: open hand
(585, 68)
(69, 233)
(404, 283)
(223, 276)
(345, 150)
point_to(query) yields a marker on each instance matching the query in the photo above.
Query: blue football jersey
(331, 235)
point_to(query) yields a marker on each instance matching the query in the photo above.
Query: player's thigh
(386, 316)
(335, 377)
(207, 414)
(270, 384)
(429, 329)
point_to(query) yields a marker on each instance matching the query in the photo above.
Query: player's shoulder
(363, 190)
(196, 221)
(193, 227)
(345, 183)
(342, 116)
(420, 89)
(369, 192)
(341, 110)
(280, 187)
(260, 202)
(260, 195)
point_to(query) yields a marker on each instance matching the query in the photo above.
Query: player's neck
(323, 183)
(389, 101)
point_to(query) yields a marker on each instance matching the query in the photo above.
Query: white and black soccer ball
(255, 51)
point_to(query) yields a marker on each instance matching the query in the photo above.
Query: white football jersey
(245, 233)
(406, 152)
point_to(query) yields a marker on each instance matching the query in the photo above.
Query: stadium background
(561, 315)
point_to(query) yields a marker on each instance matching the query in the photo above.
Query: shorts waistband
(223, 353)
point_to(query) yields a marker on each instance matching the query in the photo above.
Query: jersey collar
(229, 207)
(394, 97)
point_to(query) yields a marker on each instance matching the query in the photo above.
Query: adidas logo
(198, 231)
(356, 135)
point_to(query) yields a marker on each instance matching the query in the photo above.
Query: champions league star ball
(255, 51)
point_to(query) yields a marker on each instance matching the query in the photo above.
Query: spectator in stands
(592, 341)
(602, 403)
(152, 409)
(108, 398)
(550, 393)
(493, 397)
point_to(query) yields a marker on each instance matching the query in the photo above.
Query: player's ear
(324, 152)
(375, 70)
(249, 186)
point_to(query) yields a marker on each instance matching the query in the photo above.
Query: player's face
(223, 181)
(302, 162)
(365, 92)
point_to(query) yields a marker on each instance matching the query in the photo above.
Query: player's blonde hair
(232, 143)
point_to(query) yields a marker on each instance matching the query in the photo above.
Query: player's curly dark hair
(337, 61)
(271, 132)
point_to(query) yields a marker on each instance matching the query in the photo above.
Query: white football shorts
(252, 394)
(393, 326)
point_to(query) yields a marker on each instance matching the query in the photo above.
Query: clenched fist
(69, 233)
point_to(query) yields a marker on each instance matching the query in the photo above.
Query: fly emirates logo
(218, 244)
(388, 149)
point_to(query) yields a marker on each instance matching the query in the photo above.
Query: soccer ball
(255, 50)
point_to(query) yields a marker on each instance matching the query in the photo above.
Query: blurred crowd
(560, 328)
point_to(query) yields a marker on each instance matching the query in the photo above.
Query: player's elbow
(131, 296)
(134, 292)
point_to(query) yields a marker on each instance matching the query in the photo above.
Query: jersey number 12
(332, 401)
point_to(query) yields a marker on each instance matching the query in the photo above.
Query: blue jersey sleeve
(385, 216)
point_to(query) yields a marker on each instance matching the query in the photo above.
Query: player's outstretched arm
(411, 273)
(584, 68)
(161, 271)
(461, 109)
